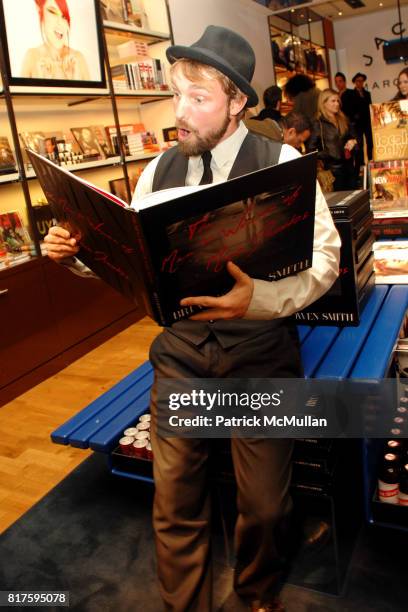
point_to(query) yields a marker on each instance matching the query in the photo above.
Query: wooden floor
(30, 464)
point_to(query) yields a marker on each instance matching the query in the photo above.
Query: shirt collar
(227, 149)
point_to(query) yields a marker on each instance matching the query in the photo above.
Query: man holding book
(242, 334)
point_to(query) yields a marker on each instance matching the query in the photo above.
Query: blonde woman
(335, 140)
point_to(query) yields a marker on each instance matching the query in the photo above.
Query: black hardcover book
(168, 250)
(348, 204)
(343, 302)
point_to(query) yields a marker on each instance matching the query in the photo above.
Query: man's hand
(232, 305)
(60, 244)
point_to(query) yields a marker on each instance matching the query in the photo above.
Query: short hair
(271, 96)
(296, 120)
(298, 84)
(340, 74)
(195, 71)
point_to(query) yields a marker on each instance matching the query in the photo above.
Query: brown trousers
(181, 514)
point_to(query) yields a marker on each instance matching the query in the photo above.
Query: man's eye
(199, 99)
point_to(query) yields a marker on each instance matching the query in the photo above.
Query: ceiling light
(381, 4)
(293, 10)
(340, 13)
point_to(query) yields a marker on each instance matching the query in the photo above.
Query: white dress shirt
(284, 297)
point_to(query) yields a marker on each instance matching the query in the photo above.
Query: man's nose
(181, 107)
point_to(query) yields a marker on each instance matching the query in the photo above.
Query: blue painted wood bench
(328, 352)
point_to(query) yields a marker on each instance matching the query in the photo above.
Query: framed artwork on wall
(53, 43)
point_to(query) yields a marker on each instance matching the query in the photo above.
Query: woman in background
(54, 59)
(335, 139)
(402, 85)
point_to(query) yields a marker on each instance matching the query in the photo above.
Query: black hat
(359, 75)
(225, 50)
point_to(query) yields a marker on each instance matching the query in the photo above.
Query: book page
(165, 195)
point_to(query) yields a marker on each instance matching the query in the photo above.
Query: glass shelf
(100, 163)
(117, 32)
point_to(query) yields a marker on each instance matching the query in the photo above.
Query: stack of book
(389, 198)
(146, 73)
(343, 303)
(135, 138)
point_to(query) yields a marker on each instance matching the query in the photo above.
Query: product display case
(300, 40)
(107, 134)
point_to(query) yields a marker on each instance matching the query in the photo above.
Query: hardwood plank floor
(30, 464)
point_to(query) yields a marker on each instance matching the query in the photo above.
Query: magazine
(178, 241)
(389, 122)
(391, 262)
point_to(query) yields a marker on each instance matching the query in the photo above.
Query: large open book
(178, 241)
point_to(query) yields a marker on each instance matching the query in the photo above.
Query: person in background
(301, 90)
(296, 129)
(346, 95)
(293, 129)
(335, 140)
(267, 123)
(242, 334)
(54, 59)
(402, 84)
(361, 117)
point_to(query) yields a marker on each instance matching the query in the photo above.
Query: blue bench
(328, 352)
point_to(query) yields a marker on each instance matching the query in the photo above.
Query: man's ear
(237, 104)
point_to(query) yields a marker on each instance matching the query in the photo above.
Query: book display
(64, 117)
(73, 140)
(299, 45)
(342, 304)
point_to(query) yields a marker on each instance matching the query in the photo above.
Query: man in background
(267, 123)
(346, 95)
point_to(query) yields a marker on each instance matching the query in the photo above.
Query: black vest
(256, 152)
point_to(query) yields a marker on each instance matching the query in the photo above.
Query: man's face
(340, 83)
(359, 83)
(203, 111)
(294, 138)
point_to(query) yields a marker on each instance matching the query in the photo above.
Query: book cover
(167, 250)
(388, 183)
(348, 204)
(13, 234)
(7, 161)
(88, 141)
(389, 122)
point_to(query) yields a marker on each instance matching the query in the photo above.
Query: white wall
(355, 37)
(189, 19)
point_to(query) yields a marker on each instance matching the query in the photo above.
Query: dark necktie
(207, 174)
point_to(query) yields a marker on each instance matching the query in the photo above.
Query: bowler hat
(359, 75)
(225, 50)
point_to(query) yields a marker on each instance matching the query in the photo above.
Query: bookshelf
(64, 314)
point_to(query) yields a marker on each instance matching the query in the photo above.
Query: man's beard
(203, 143)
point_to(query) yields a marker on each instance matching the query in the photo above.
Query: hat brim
(211, 59)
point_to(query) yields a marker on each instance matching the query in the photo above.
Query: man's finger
(236, 272)
(206, 301)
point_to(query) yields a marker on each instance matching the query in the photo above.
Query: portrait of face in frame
(118, 186)
(57, 44)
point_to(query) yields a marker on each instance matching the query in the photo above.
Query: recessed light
(293, 10)
(340, 13)
(381, 4)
